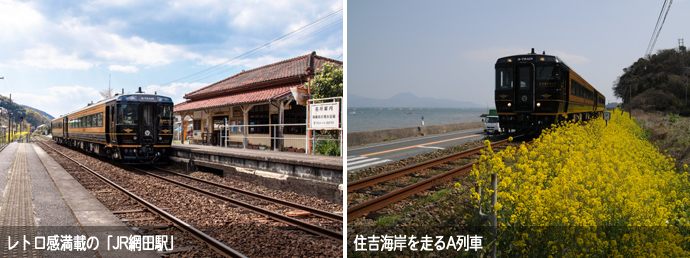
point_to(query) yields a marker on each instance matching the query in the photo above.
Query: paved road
(381, 153)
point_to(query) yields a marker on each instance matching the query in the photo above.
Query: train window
(147, 115)
(127, 114)
(100, 119)
(504, 78)
(94, 120)
(524, 77)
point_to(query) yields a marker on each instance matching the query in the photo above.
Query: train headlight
(538, 104)
(135, 138)
(508, 104)
(160, 138)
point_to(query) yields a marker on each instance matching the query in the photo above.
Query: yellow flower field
(591, 190)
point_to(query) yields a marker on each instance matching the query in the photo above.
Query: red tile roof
(287, 71)
(246, 97)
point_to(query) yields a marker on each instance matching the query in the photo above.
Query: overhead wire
(225, 69)
(277, 40)
(662, 24)
(656, 27)
(659, 25)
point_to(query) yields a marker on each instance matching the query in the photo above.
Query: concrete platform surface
(45, 205)
(301, 159)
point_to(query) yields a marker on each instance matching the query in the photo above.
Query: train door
(524, 90)
(65, 127)
(147, 128)
(111, 123)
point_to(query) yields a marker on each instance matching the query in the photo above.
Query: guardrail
(263, 137)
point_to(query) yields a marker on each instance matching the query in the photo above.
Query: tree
(657, 75)
(106, 93)
(328, 82)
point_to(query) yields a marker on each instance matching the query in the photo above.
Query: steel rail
(387, 176)
(315, 211)
(273, 215)
(198, 234)
(366, 207)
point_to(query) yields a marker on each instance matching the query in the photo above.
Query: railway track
(371, 205)
(216, 245)
(314, 229)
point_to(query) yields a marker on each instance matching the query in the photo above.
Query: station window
(197, 124)
(297, 114)
(258, 115)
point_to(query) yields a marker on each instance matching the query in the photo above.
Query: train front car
(141, 128)
(530, 91)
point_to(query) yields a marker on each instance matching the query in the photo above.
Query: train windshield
(548, 73)
(165, 111)
(127, 114)
(504, 78)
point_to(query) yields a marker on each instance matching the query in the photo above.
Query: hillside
(656, 83)
(40, 112)
(30, 116)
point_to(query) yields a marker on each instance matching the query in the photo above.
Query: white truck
(491, 125)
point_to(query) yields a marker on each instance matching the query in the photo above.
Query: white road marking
(364, 163)
(431, 147)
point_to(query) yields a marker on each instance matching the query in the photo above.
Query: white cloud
(58, 100)
(175, 88)
(51, 58)
(124, 68)
(17, 17)
(569, 58)
(176, 91)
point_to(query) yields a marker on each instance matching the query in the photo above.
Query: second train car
(132, 128)
(534, 91)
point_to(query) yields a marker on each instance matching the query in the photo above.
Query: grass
(386, 220)
(669, 132)
(437, 195)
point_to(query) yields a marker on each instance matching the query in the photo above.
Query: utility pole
(681, 48)
(9, 135)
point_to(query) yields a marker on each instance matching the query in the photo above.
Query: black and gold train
(534, 91)
(132, 128)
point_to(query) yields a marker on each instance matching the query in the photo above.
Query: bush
(591, 190)
(328, 147)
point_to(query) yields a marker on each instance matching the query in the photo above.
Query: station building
(254, 104)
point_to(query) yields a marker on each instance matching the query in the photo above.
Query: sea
(367, 119)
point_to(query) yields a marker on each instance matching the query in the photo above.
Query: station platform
(313, 175)
(45, 212)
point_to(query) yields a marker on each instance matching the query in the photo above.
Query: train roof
(137, 96)
(530, 58)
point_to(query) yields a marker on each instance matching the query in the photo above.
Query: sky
(57, 55)
(447, 49)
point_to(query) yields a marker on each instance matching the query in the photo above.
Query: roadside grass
(669, 132)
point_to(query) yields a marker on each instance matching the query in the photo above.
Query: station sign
(324, 116)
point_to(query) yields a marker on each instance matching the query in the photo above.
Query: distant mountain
(30, 116)
(407, 100)
(612, 105)
(40, 112)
